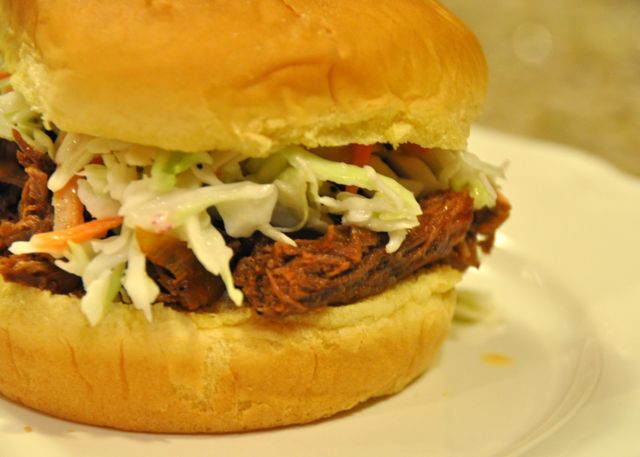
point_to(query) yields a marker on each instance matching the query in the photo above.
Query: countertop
(566, 71)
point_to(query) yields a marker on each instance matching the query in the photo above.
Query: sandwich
(233, 215)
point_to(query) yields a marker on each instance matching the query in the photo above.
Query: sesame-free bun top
(247, 75)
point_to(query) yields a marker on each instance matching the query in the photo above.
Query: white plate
(555, 372)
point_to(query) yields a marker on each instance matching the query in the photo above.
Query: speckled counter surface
(566, 71)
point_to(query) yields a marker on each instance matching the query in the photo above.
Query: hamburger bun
(249, 77)
(217, 372)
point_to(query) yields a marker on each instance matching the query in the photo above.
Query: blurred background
(567, 71)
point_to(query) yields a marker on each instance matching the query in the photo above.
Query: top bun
(245, 75)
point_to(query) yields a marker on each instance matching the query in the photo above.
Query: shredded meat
(30, 157)
(38, 270)
(10, 170)
(487, 221)
(185, 282)
(12, 180)
(25, 209)
(481, 234)
(349, 263)
(9, 199)
(34, 213)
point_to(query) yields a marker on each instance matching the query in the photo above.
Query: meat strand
(9, 199)
(487, 221)
(10, 170)
(34, 211)
(481, 234)
(349, 263)
(30, 157)
(39, 271)
(185, 282)
(25, 210)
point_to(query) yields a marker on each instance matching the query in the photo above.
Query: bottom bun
(220, 372)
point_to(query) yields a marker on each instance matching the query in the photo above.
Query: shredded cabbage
(211, 250)
(473, 306)
(99, 204)
(292, 210)
(102, 274)
(71, 156)
(392, 208)
(16, 114)
(119, 175)
(168, 165)
(463, 171)
(78, 257)
(141, 289)
(162, 212)
(100, 294)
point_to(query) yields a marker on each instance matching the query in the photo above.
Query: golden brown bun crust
(191, 373)
(245, 75)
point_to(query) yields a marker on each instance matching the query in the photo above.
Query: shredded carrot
(5, 75)
(60, 139)
(412, 147)
(58, 240)
(68, 210)
(360, 156)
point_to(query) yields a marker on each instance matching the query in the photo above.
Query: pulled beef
(481, 235)
(38, 270)
(9, 199)
(34, 212)
(175, 268)
(349, 263)
(29, 157)
(487, 220)
(25, 209)
(12, 180)
(11, 172)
